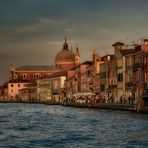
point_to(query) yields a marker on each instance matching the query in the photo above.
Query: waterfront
(37, 125)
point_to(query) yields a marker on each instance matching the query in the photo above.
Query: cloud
(41, 25)
(72, 29)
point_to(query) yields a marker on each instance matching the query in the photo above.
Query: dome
(65, 58)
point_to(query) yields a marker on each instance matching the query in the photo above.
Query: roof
(125, 52)
(118, 43)
(65, 55)
(87, 63)
(30, 68)
(57, 74)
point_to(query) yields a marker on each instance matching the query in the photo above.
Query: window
(11, 85)
(103, 75)
(18, 85)
(88, 73)
(102, 87)
(120, 77)
(12, 90)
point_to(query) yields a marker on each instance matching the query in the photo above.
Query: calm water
(42, 126)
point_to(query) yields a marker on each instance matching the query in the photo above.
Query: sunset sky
(33, 31)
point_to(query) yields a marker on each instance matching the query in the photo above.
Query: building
(112, 78)
(4, 92)
(104, 75)
(129, 89)
(140, 57)
(81, 77)
(14, 87)
(66, 59)
(120, 52)
(31, 73)
(145, 69)
(51, 88)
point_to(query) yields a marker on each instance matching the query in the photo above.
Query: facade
(4, 92)
(31, 73)
(112, 75)
(51, 88)
(28, 94)
(129, 90)
(66, 59)
(104, 75)
(81, 75)
(120, 52)
(145, 69)
(138, 74)
(14, 87)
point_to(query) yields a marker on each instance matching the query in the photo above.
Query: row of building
(123, 74)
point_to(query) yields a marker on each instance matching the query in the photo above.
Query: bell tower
(117, 47)
(77, 56)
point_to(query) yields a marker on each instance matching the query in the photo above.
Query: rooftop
(30, 68)
(125, 52)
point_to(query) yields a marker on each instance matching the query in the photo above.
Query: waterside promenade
(110, 106)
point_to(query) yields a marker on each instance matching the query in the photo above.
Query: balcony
(137, 67)
(129, 84)
(112, 86)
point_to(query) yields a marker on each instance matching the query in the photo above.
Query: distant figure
(121, 99)
(112, 99)
(132, 100)
(140, 104)
(129, 99)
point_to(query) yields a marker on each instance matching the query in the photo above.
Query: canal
(45, 126)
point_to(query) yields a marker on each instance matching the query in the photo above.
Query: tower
(117, 47)
(77, 56)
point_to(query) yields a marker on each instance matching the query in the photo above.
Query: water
(43, 126)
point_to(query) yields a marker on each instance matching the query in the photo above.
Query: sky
(32, 32)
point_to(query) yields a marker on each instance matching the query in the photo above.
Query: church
(65, 59)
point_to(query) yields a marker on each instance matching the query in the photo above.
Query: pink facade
(13, 89)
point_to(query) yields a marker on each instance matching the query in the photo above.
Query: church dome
(65, 58)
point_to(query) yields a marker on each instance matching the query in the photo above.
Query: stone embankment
(111, 106)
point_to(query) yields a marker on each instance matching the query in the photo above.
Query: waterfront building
(81, 75)
(112, 76)
(45, 89)
(145, 69)
(140, 69)
(31, 73)
(51, 88)
(14, 87)
(20, 77)
(118, 46)
(120, 51)
(4, 92)
(104, 75)
(28, 94)
(66, 59)
(129, 79)
(96, 58)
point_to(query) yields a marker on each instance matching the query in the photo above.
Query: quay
(110, 106)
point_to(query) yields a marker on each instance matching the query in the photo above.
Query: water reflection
(35, 125)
